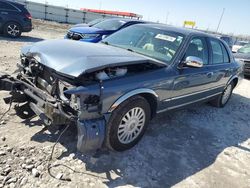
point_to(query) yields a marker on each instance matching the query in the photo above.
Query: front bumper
(51, 111)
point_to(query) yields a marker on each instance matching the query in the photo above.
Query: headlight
(89, 36)
(75, 102)
(104, 36)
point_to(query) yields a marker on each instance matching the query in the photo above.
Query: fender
(131, 94)
(231, 79)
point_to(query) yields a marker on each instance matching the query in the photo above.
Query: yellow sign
(189, 23)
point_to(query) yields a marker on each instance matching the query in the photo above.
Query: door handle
(210, 74)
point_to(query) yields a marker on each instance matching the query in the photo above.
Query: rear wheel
(128, 123)
(12, 29)
(223, 98)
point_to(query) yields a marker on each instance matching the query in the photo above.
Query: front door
(192, 84)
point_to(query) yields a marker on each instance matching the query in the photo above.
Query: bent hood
(74, 58)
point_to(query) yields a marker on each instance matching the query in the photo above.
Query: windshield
(245, 49)
(96, 21)
(149, 41)
(110, 24)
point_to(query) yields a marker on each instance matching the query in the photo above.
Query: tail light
(28, 16)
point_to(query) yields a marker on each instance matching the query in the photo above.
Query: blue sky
(206, 14)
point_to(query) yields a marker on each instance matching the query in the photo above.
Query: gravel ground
(200, 146)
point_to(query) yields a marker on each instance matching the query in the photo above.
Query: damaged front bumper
(91, 131)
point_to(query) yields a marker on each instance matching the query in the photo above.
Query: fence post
(45, 8)
(26, 4)
(66, 14)
(84, 17)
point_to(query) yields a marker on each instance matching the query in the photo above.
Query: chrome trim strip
(190, 94)
(130, 94)
(184, 104)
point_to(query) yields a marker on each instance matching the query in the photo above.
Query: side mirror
(194, 62)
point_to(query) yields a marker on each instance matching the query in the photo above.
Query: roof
(181, 30)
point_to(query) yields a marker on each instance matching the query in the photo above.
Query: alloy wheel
(131, 125)
(13, 30)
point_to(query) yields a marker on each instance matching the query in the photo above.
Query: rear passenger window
(217, 51)
(225, 54)
(6, 6)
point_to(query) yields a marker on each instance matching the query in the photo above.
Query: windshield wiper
(105, 42)
(130, 50)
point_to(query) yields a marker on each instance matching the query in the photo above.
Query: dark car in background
(243, 54)
(14, 19)
(102, 29)
(111, 90)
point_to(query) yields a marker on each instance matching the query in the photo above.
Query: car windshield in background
(96, 21)
(241, 43)
(245, 49)
(110, 24)
(149, 41)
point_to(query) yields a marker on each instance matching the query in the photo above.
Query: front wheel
(128, 123)
(222, 99)
(12, 29)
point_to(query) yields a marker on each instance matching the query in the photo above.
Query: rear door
(192, 84)
(221, 67)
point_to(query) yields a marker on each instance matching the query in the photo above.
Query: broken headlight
(75, 102)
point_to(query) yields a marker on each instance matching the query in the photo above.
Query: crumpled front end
(58, 100)
(66, 82)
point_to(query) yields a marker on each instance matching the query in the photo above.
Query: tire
(12, 29)
(223, 98)
(135, 126)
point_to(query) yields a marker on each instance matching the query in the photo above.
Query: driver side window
(198, 48)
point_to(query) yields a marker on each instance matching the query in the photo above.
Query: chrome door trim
(185, 104)
(190, 94)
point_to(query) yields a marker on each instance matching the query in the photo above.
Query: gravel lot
(197, 147)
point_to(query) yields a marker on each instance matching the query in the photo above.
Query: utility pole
(220, 20)
(100, 5)
(167, 17)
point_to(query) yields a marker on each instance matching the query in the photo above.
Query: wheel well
(235, 82)
(152, 100)
(4, 25)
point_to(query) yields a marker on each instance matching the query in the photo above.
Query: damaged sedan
(111, 90)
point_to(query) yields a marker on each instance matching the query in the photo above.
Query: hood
(81, 25)
(74, 58)
(86, 30)
(242, 56)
